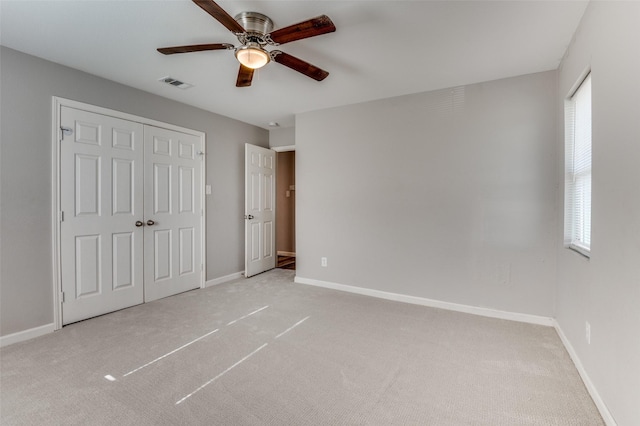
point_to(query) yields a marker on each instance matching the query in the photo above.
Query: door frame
(277, 149)
(283, 148)
(56, 136)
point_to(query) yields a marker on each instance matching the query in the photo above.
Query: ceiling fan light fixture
(252, 56)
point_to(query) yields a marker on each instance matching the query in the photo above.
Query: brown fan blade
(311, 28)
(220, 15)
(194, 48)
(245, 75)
(299, 65)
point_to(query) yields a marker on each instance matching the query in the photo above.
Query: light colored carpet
(289, 354)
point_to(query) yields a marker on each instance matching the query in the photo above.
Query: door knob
(139, 223)
(248, 216)
(150, 222)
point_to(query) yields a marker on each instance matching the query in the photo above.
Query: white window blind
(578, 169)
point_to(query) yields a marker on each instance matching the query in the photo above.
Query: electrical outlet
(323, 261)
(587, 331)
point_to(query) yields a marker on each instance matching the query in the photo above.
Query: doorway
(286, 209)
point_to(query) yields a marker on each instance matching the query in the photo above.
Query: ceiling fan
(253, 31)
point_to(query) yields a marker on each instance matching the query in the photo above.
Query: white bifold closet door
(173, 211)
(131, 211)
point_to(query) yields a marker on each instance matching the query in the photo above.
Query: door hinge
(61, 216)
(65, 131)
(62, 296)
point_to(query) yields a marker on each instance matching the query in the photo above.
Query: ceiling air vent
(174, 82)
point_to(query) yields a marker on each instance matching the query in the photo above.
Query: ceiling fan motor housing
(254, 22)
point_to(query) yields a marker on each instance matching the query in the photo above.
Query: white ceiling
(380, 49)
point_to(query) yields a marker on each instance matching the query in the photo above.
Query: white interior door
(173, 213)
(259, 227)
(101, 198)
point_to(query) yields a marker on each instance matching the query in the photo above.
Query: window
(577, 223)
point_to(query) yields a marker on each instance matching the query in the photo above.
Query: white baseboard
(31, 333)
(286, 253)
(225, 279)
(602, 407)
(485, 312)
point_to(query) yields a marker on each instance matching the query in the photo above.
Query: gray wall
(27, 85)
(605, 289)
(448, 195)
(282, 137)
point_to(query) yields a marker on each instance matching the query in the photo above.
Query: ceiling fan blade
(311, 28)
(220, 15)
(299, 65)
(245, 75)
(194, 48)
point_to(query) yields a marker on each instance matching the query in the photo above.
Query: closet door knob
(139, 223)
(150, 222)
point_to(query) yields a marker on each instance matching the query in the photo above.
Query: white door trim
(283, 148)
(57, 104)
